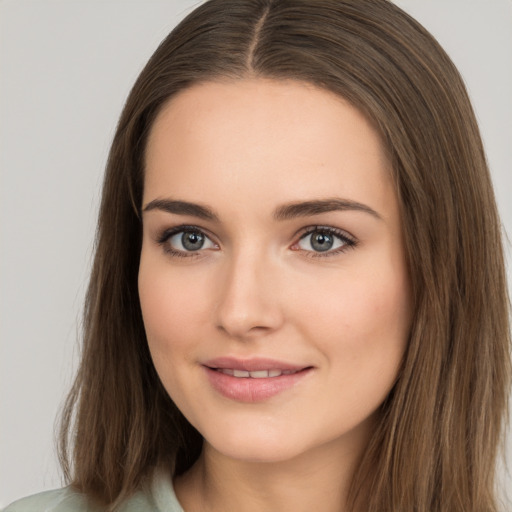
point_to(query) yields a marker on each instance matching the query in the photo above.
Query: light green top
(159, 498)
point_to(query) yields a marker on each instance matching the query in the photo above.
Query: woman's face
(272, 279)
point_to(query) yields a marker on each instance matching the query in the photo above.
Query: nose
(249, 300)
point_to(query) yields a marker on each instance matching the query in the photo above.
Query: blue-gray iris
(321, 241)
(192, 240)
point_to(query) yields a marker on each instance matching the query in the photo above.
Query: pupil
(322, 242)
(192, 241)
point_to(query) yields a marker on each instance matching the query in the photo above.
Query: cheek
(363, 338)
(171, 308)
(356, 306)
(361, 324)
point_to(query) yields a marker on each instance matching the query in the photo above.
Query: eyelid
(167, 234)
(330, 229)
(349, 240)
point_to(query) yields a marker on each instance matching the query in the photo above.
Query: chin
(262, 452)
(256, 444)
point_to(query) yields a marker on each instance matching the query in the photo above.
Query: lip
(253, 365)
(250, 390)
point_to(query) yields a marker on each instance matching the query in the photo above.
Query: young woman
(298, 299)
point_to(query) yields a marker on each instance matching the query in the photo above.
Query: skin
(258, 287)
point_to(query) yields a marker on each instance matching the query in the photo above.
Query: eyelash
(169, 233)
(348, 241)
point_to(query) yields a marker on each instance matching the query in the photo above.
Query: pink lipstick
(253, 380)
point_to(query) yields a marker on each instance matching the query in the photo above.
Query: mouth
(253, 380)
(257, 374)
(254, 366)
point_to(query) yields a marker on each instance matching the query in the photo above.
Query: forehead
(267, 141)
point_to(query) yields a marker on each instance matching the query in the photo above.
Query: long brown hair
(436, 443)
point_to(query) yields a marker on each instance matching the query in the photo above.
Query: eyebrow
(182, 208)
(316, 207)
(284, 212)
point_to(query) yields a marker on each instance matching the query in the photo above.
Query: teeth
(258, 374)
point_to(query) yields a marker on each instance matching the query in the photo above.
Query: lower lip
(246, 389)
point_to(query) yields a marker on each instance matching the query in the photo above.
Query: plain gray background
(66, 67)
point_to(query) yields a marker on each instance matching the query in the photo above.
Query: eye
(324, 241)
(182, 241)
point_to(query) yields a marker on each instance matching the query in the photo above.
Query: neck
(318, 479)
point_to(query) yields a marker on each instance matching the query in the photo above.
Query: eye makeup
(329, 241)
(196, 233)
(325, 241)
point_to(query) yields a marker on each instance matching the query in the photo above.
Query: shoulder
(159, 498)
(59, 500)
(67, 500)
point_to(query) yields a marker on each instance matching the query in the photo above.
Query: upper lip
(253, 364)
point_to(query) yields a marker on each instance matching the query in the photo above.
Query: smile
(258, 374)
(254, 380)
